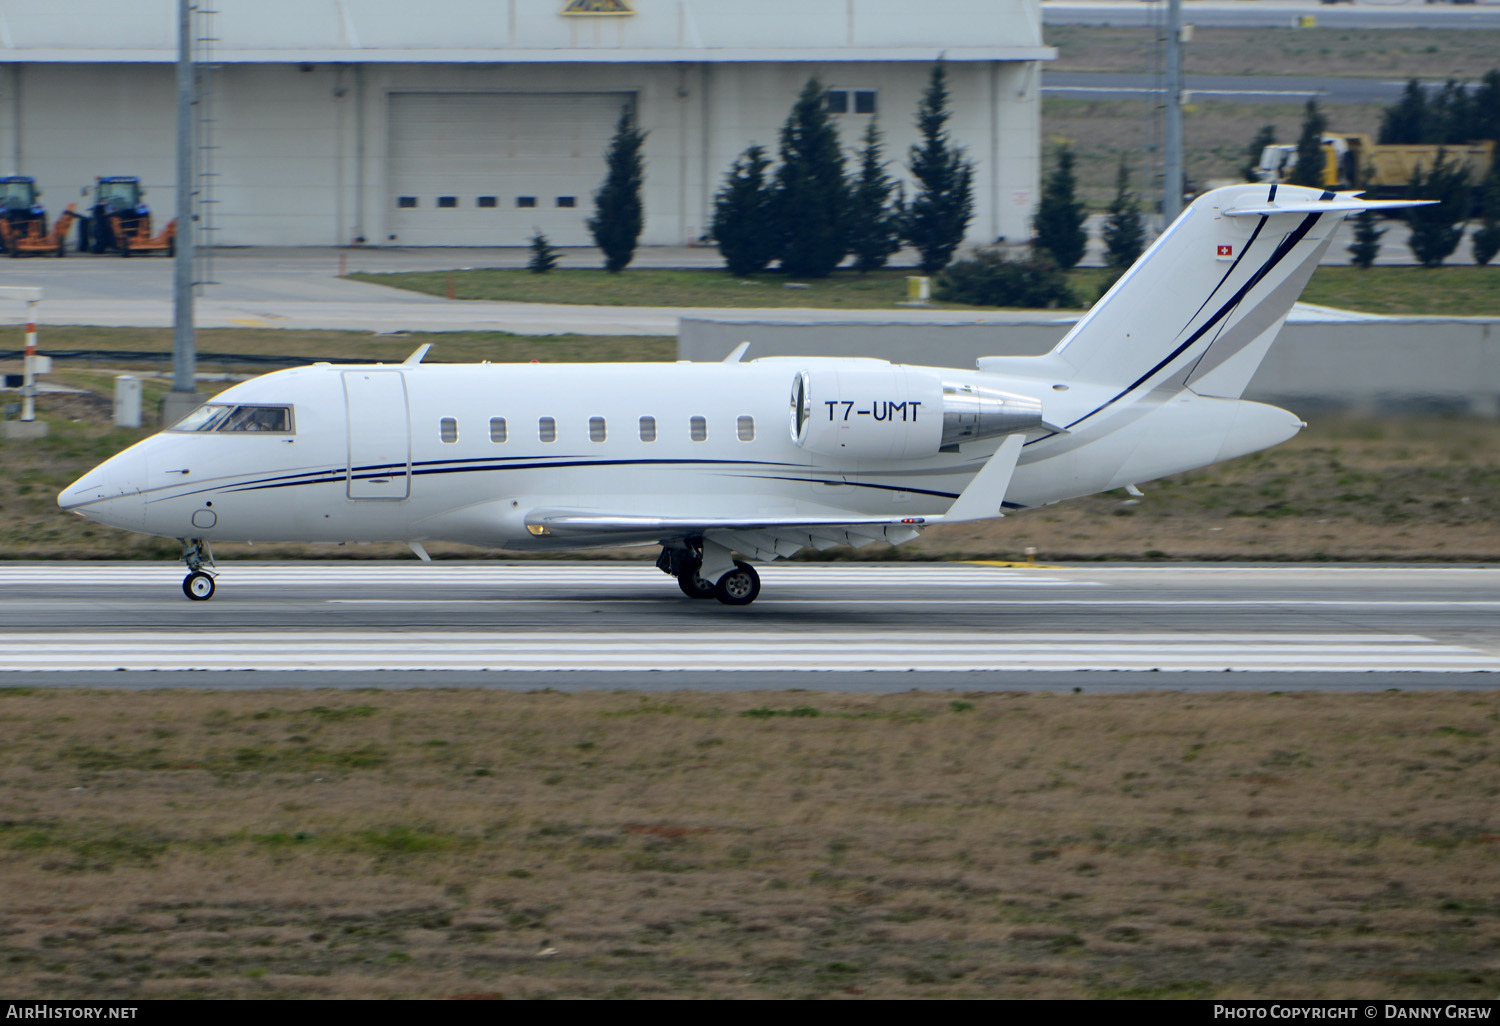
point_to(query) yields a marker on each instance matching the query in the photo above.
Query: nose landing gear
(198, 585)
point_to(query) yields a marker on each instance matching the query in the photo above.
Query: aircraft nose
(111, 492)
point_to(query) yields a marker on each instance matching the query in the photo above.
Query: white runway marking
(836, 651)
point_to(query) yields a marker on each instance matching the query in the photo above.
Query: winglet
(985, 494)
(737, 353)
(416, 358)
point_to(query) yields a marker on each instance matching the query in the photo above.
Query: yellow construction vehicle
(1352, 160)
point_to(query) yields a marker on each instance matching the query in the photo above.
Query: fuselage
(463, 452)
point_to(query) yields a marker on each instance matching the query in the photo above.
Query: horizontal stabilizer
(1345, 202)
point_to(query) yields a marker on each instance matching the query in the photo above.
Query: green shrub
(987, 278)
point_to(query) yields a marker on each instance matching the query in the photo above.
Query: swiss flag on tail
(1225, 251)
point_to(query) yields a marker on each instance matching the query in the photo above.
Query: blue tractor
(19, 209)
(119, 213)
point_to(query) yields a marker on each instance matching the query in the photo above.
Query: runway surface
(833, 627)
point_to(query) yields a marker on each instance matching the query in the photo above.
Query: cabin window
(648, 429)
(448, 429)
(497, 429)
(596, 429)
(224, 417)
(698, 427)
(746, 428)
(546, 429)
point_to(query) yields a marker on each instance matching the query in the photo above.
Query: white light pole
(184, 395)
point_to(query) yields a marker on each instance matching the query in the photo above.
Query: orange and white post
(33, 365)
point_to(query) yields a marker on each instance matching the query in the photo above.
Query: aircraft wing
(757, 537)
(768, 537)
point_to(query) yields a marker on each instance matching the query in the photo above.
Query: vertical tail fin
(1200, 308)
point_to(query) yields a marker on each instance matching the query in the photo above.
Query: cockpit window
(222, 417)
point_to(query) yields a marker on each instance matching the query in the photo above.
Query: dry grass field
(1430, 54)
(1217, 133)
(452, 843)
(1216, 137)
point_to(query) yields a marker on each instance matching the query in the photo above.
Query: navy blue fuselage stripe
(339, 474)
(375, 470)
(386, 469)
(1249, 244)
(1286, 246)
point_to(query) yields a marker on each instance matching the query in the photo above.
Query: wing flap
(562, 523)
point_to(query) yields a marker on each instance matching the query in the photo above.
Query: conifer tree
(1310, 156)
(1435, 230)
(811, 202)
(1366, 244)
(543, 256)
(940, 211)
(1124, 237)
(1407, 120)
(875, 209)
(1058, 224)
(1265, 137)
(742, 224)
(616, 224)
(1486, 238)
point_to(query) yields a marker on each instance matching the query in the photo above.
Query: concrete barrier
(1322, 362)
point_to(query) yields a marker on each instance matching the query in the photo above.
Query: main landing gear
(198, 585)
(738, 585)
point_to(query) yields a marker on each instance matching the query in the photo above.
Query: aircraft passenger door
(379, 434)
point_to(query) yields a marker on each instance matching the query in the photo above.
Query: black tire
(739, 587)
(198, 586)
(695, 587)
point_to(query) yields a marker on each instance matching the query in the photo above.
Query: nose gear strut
(198, 585)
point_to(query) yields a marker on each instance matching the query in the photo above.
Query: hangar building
(475, 122)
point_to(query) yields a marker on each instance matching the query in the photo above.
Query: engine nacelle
(893, 412)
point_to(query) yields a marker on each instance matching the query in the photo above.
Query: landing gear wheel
(738, 587)
(198, 586)
(695, 587)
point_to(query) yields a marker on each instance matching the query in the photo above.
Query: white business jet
(755, 459)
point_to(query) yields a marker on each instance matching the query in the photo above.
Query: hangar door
(489, 169)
